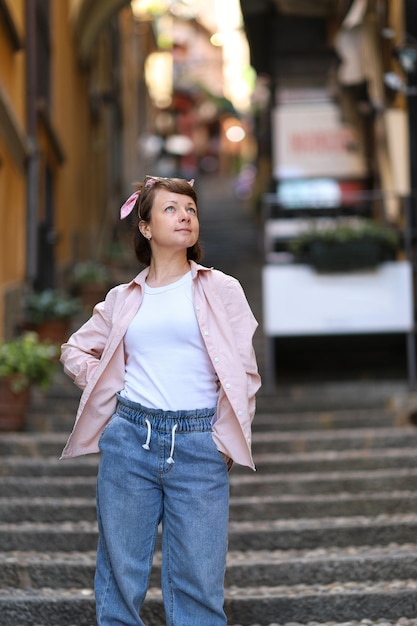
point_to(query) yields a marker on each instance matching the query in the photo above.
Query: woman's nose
(184, 215)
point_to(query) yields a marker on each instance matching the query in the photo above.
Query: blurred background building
(93, 95)
(336, 146)
(309, 104)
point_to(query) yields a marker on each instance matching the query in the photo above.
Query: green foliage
(89, 272)
(49, 305)
(28, 361)
(342, 232)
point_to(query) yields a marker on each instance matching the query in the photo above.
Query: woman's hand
(227, 460)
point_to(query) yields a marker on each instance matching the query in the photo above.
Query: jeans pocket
(226, 459)
(105, 429)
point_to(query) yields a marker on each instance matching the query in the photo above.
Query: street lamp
(396, 83)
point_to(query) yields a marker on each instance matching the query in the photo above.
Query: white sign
(297, 300)
(310, 140)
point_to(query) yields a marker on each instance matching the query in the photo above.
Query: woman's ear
(144, 229)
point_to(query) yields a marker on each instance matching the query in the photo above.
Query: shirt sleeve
(81, 354)
(243, 325)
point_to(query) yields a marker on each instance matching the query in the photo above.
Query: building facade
(73, 101)
(342, 53)
(93, 95)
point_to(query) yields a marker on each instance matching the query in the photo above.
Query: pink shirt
(94, 358)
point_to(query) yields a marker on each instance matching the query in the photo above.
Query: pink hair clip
(127, 207)
(150, 181)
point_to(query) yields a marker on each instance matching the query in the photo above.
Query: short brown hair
(143, 208)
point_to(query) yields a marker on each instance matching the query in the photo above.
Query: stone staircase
(324, 532)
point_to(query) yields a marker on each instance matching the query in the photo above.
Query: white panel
(297, 300)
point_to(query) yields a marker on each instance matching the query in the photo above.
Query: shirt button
(197, 308)
(240, 413)
(216, 359)
(228, 385)
(206, 332)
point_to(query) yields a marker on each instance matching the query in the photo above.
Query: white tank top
(167, 365)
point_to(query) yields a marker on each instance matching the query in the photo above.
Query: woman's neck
(161, 274)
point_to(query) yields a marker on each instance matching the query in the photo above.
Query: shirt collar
(195, 268)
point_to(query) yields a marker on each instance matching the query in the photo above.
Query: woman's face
(173, 223)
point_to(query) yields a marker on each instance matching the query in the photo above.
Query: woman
(169, 378)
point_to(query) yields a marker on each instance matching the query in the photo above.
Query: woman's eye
(191, 210)
(170, 209)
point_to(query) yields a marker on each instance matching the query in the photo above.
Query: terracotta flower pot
(13, 406)
(55, 331)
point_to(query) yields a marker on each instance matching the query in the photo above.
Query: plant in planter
(49, 313)
(25, 361)
(346, 245)
(90, 280)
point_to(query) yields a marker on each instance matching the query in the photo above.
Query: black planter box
(330, 256)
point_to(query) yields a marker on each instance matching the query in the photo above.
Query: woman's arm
(81, 354)
(243, 325)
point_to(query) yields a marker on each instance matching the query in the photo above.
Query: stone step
(276, 534)
(247, 508)
(325, 532)
(244, 606)
(241, 485)
(49, 606)
(329, 461)
(37, 570)
(334, 440)
(328, 420)
(315, 483)
(319, 395)
(277, 442)
(56, 408)
(286, 463)
(56, 411)
(48, 419)
(321, 603)
(23, 466)
(268, 568)
(58, 488)
(38, 445)
(402, 621)
(337, 505)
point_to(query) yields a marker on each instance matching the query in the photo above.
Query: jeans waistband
(199, 420)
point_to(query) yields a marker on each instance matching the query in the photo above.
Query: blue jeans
(161, 466)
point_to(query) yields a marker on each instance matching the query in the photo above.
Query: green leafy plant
(342, 232)
(345, 245)
(49, 305)
(27, 361)
(87, 272)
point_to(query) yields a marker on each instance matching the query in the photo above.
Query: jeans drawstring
(148, 436)
(146, 445)
(170, 459)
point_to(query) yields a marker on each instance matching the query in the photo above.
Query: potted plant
(90, 280)
(49, 313)
(345, 245)
(24, 361)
